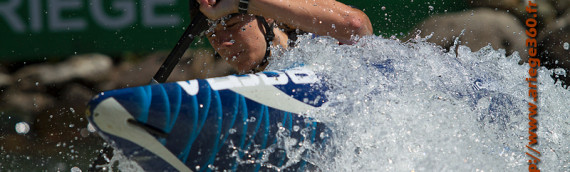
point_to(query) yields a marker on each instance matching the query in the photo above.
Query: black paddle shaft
(196, 27)
(198, 24)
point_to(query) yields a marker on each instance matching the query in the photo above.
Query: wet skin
(240, 41)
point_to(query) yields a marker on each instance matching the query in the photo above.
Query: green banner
(45, 29)
(38, 29)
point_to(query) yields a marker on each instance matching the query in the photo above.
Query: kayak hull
(245, 123)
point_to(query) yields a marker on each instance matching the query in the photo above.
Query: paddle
(196, 27)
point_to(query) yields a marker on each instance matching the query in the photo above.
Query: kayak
(253, 122)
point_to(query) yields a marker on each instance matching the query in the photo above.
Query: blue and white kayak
(237, 122)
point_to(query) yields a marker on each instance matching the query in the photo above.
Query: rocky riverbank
(501, 24)
(42, 104)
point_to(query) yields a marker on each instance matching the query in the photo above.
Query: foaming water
(397, 106)
(120, 162)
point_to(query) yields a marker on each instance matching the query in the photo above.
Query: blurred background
(55, 55)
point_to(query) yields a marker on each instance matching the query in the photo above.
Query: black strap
(269, 36)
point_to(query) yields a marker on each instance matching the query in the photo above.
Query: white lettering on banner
(53, 14)
(150, 18)
(8, 11)
(126, 18)
(280, 79)
(222, 83)
(190, 87)
(302, 76)
(57, 22)
(36, 15)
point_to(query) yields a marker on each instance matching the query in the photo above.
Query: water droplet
(566, 45)
(560, 71)
(84, 132)
(72, 110)
(383, 8)
(430, 8)
(90, 127)
(22, 128)
(75, 169)
(252, 119)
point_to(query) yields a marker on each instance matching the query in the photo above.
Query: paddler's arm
(322, 17)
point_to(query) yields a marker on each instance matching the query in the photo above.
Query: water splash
(120, 162)
(412, 106)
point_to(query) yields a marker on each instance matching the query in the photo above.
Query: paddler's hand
(216, 9)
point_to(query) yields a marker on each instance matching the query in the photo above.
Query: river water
(406, 106)
(413, 106)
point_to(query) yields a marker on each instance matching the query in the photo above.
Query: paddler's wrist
(243, 6)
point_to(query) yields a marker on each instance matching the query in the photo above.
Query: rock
(195, 63)
(547, 10)
(554, 46)
(481, 27)
(500, 4)
(90, 68)
(27, 102)
(561, 22)
(546, 13)
(5, 80)
(29, 78)
(135, 73)
(561, 6)
(76, 96)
